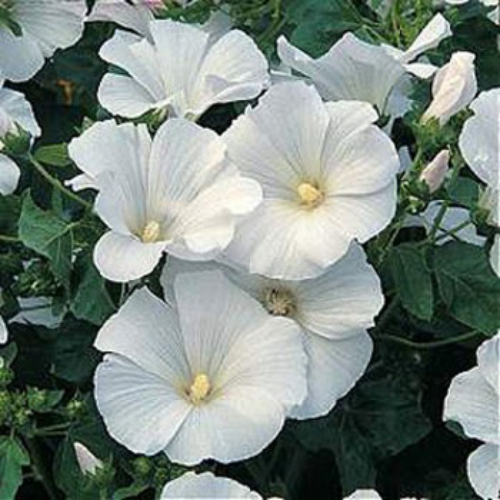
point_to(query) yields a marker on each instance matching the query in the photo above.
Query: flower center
(280, 302)
(151, 232)
(310, 195)
(199, 388)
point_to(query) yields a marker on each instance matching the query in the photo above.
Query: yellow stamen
(279, 302)
(310, 196)
(199, 388)
(151, 232)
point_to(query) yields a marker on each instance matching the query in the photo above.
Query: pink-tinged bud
(435, 172)
(87, 461)
(453, 89)
(154, 4)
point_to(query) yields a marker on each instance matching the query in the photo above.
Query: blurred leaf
(55, 155)
(412, 279)
(47, 234)
(468, 285)
(13, 457)
(464, 191)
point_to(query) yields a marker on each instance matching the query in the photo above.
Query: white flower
(15, 111)
(480, 138)
(435, 171)
(87, 461)
(333, 312)
(213, 377)
(176, 193)
(493, 15)
(360, 71)
(135, 15)
(453, 88)
(184, 70)
(328, 177)
(37, 311)
(456, 220)
(473, 401)
(364, 495)
(495, 255)
(206, 485)
(4, 334)
(45, 26)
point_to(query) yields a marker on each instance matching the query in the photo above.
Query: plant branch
(429, 345)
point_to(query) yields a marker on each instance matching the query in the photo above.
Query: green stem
(58, 185)
(39, 469)
(430, 345)
(386, 314)
(9, 239)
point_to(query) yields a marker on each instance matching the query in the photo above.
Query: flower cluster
(247, 293)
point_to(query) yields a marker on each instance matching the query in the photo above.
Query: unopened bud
(88, 462)
(435, 172)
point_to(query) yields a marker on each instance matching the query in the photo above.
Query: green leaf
(465, 192)
(468, 286)
(49, 235)
(55, 155)
(91, 301)
(378, 420)
(13, 457)
(412, 279)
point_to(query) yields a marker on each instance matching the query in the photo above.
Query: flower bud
(454, 87)
(88, 462)
(435, 172)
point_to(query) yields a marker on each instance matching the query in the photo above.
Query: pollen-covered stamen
(200, 388)
(151, 232)
(280, 302)
(310, 195)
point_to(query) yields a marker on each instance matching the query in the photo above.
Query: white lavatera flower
(184, 70)
(333, 312)
(206, 485)
(453, 88)
(4, 334)
(15, 111)
(176, 193)
(473, 401)
(360, 71)
(456, 220)
(211, 377)
(495, 255)
(328, 176)
(46, 25)
(364, 495)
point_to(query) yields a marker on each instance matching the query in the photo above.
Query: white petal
(422, 70)
(19, 111)
(495, 255)
(488, 358)
(334, 366)
(482, 468)
(9, 175)
(344, 299)
(364, 495)
(454, 87)
(155, 346)
(87, 461)
(53, 24)
(206, 485)
(140, 410)
(121, 95)
(20, 57)
(436, 30)
(480, 138)
(136, 17)
(471, 401)
(4, 334)
(236, 425)
(124, 258)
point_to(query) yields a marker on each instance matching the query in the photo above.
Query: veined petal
(9, 175)
(156, 346)
(124, 258)
(488, 359)
(482, 468)
(139, 408)
(471, 401)
(19, 110)
(334, 366)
